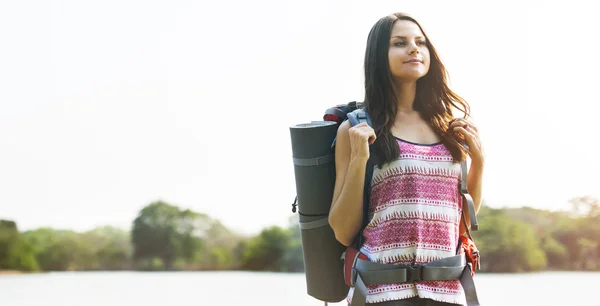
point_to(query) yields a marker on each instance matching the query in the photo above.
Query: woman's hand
(468, 132)
(361, 136)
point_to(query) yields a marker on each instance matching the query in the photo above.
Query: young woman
(415, 205)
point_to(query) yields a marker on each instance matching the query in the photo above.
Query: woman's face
(408, 53)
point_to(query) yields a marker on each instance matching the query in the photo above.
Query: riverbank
(10, 272)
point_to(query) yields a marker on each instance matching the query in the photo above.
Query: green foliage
(508, 245)
(267, 250)
(155, 233)
(112, 248)
(166, 237)
(556, 252)
(293, 256)
(15, 253)
(103, 248)
(221, 248)
(192, 239)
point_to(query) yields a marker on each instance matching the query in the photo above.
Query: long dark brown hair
(434, 99)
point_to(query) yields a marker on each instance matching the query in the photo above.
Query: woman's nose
(414, 49)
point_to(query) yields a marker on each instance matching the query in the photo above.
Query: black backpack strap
(366, 200)
(356, 117)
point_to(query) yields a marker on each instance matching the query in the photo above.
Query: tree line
(162, 237)
(166, 237)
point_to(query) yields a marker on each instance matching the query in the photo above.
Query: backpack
(330, 266)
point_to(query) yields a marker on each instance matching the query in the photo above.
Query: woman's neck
(405, 97)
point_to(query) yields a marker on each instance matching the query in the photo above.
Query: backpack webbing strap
(366, 200)
(316, 161)
(449, 268)
(359, 116)
(467, 198)
(356, 117)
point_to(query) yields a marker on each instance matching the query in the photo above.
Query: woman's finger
(458, 122)
(371, 136)
(466, 134)
(472, 129)
(462, 123)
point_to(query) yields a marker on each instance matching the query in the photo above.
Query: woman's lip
(413, 61)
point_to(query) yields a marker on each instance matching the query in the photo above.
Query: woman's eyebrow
(404, 37)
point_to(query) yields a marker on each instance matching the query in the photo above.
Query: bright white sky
(106, 106)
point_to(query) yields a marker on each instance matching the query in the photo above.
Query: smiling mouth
(414, 61)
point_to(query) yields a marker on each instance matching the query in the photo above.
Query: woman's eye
(402, 43)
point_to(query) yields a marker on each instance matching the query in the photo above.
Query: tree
(111, 246)
(60, 250)
(267, 250)
(164, 231)
(154, 233)
(9, 237)
(192, 230)
(294, 259)
(15, 253)
(558, 256)
(508, 245)
(221, 248)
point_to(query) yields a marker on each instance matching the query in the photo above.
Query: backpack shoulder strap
(357, 117)
(467, 201)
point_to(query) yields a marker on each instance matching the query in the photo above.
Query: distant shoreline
(17, 272)
(10, 272)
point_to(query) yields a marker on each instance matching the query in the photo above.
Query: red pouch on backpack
(468, 247)
(350, 256)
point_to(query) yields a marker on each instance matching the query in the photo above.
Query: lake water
(261, 289)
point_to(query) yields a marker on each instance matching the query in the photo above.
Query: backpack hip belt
(365, 272)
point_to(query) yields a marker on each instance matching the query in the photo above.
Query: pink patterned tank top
(415, 213)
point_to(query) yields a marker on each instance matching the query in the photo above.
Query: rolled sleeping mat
(314, 171)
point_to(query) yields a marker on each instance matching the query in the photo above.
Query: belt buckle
(414, 274)
(478, 256)
(353, 276)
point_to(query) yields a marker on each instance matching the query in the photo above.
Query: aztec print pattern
(415, 213)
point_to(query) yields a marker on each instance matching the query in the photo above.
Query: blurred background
(145, 152)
